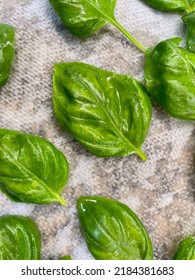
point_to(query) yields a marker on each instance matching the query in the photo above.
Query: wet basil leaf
(189, 20)
(19, 239)
(32, 170)
(106, 112)
(84, 17)
(7, 37)
(170, 78)
(186, 249)
(112, 230)
(172, 5)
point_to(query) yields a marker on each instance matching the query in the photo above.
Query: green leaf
(189, 20)
(7, 36)
(172, 5)
(84, 17)
(66, 258)
(112, 230)
(19, 239)
(32, 170)
(170, 78)
(106, 112)
(186, 249)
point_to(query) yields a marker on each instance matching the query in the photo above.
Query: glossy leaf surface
(189, 20)
(112, 230)
(32, 170)
(106, 112)
(7, 37)
(19, 239)
(84, 17)
(170, 78)
(186, 249)
(172, 5)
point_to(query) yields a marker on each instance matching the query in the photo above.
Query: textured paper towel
(160, 190)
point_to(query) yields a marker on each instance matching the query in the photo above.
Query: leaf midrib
(101, 12)
(105, 16)
(56, 195)
(110, 118)
(110, 236)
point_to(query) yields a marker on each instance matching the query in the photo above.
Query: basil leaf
(189, 20)
(32, 170)
(186, 249)
(112, 230)
(106, 112)
(68, 258)
(172, 5)
(7, 36)
(84, 17)
(170, 78)
(19, 239)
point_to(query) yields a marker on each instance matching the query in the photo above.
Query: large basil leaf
(85, 17)
(32, 170)
(172, 5)
(186, 249)
(189, 20)
(170, 78)
(6, 51)
(106, 112)
(19, 239)
(112, 230)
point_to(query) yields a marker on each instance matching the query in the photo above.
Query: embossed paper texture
(160, 190)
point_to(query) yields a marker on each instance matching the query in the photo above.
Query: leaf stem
(61, 200)
(141, 154)
(128, 35)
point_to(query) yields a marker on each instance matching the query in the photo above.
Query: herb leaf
(7, 37)
(68, 258)
(170, 78)
(172, 5)
(189, 20)
(106, 112)
(84, 17)
(112, 230)
(19, 239)
(186, 249)
(32, 169)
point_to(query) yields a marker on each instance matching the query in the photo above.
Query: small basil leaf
(189, 20)
(186, 249)
(106, 112)
(170, 78)
(66, 258)
(19, 239)
(112, 230)
(7, 36)
(84, 17)
(32, 170)
(172, 5)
